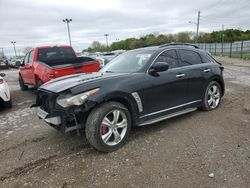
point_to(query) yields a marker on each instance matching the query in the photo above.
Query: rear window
(56, 53)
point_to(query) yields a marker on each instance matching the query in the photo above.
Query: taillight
(51, 76)
(1, 81)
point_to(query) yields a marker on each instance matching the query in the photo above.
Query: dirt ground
(200, 149)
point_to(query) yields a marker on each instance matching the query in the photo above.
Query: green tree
(154, 39)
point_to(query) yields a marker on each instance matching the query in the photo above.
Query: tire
(38, 83)
(8, 104)
(212, 97)
(101, 122)
(23, 87)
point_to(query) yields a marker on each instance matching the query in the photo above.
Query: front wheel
(22, 85)
(108, 126)
(212, 96)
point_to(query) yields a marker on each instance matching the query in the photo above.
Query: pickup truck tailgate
(92, 66)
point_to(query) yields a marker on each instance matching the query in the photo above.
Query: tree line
(153, 39)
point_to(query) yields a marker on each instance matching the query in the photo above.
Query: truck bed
(62, 63)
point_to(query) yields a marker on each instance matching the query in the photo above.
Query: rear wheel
(23, 87)
(108, 126)
(38, 83)
(212, 96)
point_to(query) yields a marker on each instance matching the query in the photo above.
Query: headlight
(75, 100)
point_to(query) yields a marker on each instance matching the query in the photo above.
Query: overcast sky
(39, 22)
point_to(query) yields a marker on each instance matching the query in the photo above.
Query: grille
(47, 101)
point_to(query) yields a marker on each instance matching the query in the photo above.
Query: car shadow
(135, 134)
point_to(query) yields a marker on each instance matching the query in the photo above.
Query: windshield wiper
(109, 72)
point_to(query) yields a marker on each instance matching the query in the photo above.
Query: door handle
(180, 75)
(207, 70)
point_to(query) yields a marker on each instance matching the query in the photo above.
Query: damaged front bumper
(62, 119)
(56, 120)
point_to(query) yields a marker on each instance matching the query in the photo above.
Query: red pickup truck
(45, 63)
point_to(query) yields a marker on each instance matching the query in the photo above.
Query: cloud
(33, 23)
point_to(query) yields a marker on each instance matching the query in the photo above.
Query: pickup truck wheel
(212, 96)
(38, 83)
(108, 126)
(21, 83)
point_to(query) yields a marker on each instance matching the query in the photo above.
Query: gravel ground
(201, 149)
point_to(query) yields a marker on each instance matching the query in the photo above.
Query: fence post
(215, 48)
(222, 49)
(210, 46)
(230, 50)
(205, 46)
(241, 49)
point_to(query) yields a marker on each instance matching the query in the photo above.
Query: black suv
(139, 87)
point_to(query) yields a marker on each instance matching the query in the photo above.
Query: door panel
(164, 91)
(23, 69)
(194, 68)
(195, 82)
(29, 69)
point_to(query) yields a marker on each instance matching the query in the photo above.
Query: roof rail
(178, 44)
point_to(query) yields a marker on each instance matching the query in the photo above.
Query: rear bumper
(4, 92)
(55, 120)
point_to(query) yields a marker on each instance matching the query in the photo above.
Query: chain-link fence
(238, 49)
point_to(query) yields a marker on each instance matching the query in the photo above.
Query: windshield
(129, 62)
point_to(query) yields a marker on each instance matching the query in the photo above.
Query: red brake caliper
(104, 130)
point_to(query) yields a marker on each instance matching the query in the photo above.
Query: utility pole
(198, 25)
(106, 35)
(14, 42)
(67, 21)
(2, 54)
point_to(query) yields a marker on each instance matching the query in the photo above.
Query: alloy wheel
(213, 96)
(113, 127)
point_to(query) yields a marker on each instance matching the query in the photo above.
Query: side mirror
(22, 63)
(2, 74)
(159, 67)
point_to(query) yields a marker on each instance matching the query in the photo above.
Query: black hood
(67, 82)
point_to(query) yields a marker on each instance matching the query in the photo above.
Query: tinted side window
(26, 59)
(170, 57)
(31, 56)
(189, 58)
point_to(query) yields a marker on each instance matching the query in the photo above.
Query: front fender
(125, 98)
